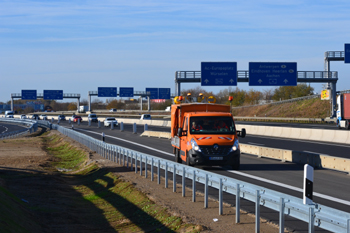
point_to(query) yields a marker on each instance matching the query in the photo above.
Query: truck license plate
(215, 158)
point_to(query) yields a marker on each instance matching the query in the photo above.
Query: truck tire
(177, 156)
(236, 165)
(188, 161)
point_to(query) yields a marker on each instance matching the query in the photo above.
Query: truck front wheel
(177, 156)
(236, 165)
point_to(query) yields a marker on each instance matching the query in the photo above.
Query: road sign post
(273, 74)
(219, 73)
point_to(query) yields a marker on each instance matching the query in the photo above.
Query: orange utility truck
(205, 134)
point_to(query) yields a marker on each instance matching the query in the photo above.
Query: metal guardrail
(315, 215)
(33, 126)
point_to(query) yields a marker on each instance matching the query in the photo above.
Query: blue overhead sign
(29, 95)
(273, 74)
(107, 92)
(126, 92)
(153, 93)
(347, 53)
(219, 73)
(53, 95)
(164, 93)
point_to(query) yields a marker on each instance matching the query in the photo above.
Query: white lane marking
(301, 140)
(258, 144)
(5, 129)
(241, 173)
(291, 187)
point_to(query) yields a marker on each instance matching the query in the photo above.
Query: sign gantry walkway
(41, 96)
(243, 76)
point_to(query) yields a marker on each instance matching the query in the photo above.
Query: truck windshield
(212, 125)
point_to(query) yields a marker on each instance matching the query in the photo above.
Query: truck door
(183, 143)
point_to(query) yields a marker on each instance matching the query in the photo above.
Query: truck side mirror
(242, 133)
(179, 132)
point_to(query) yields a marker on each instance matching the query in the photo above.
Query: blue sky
(77, 46)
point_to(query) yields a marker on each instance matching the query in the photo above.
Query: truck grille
(209, 150)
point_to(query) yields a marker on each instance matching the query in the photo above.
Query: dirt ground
(27, 158)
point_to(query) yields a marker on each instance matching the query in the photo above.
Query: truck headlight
(195, 146)
(235, 146)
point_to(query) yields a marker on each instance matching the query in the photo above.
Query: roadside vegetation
(92, 197)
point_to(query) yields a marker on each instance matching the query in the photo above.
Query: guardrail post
(311, 220)
(281, 218)
(112, 126)
(135, 162)
(238, 203)
(194, 187)
(206, 191)
(89, 124)
(158, 172)
(183, 181)
(123, 157)
(220, 197)
(121, 126)
(348, 228)
(145, 127)
(152, 174)
(146, 166)
(78, 121)
(69, 121)
(174, 178)
(140, 164)
(166, 174)
(99, 124)
(257, 212)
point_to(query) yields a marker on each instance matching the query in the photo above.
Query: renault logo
(216, 147)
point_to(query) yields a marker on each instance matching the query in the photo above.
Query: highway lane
(7, 128)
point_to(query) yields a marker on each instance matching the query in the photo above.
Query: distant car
(145, 117)
(92, 117)
(43, 116)
(35, 117)
(113, 110)
(109, 121)
(168, 109)
(23, 116)
(61, 117)
(76, 118)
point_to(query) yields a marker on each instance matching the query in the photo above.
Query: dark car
(35, 116)
(61, 117)
(76, 118)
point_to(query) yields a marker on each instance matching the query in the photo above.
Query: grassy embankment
(120, 206)
(312, 108)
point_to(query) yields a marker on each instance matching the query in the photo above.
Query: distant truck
(83, 108)
(9, 114)
(205, 134)
(343, 111)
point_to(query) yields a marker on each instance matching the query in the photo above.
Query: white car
(145, 117)
(43, 116)
(109, 121)
(23, 116)
(113, 110)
